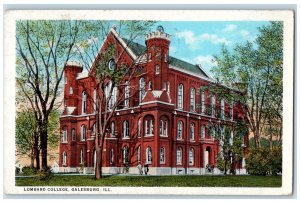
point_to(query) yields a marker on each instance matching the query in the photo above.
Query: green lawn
(155, 181)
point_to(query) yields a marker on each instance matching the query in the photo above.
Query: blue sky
(196, 42)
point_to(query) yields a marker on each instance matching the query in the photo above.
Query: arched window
(213, 105)
(71, 90)
(111, 64)
(112, 93)
(83, 106)
(149, 126)
(149, 85)
(94, 99)
(222, 109)
(192, 100)
(64, 158)
(202, 102)
(157, 69)
(162, 155)
(111, 156)
(125, 129)
(127, 93)
(142, 89)
(64, 135)
(113, 129)
(81, 157)
(82, 133)
(163, 126)
(192, 131)
(179, 130)
(73, 134)
(202, 131)
(125, 155)
(180, 96)
(179, 156)
(139, 127)
(148, 155)
(191, 156)
(231, 138)
(94, 129)
(139, 154)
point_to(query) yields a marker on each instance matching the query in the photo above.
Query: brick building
(164, 124)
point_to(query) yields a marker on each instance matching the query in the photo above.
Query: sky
(197, 42)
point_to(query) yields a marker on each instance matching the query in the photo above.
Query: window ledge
(192, 141)
(149, 135)
(64, 142)
(163, 135)
(126, 138)
(180, 139)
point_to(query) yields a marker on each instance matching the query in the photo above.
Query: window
(64, 158)
(66, 80)
(139, 127)
(81, 157)
(192, 131)
(139, 154)
(149, 127)
(125, 155)
(73, 134)
(111, 156)
(125, 129)
(127, 92)
(166, 58)
(112, 129)
(213, 106)
(179, 130)
(222, 109)
(202, 102)
(179, 156)
(231, 138)
(113, 98)
(168, 87)
(94, 129)
(112, 93)
(94, 99)
(202, 131)
(82, 133)
(149, 85)
(191, 156)
(213, 132)
(142, 89)
(162, 155)
(148, 155)
(83, 102)
(71, 90)
(64, 135)
(157, 69)
(149, 56)
(163, 124)
(180, 96)
(111, 64)
(192, 100)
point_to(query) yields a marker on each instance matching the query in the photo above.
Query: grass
(155, 181)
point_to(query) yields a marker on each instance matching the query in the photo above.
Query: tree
(255, 69)
(113, 84)
(43, 49)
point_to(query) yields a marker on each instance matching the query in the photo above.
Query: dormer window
(111, 64)
(157, 69)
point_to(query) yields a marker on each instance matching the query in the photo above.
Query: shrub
(17, 170)
(27, 170)
(45, 174)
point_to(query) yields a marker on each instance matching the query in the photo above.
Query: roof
(139, 49)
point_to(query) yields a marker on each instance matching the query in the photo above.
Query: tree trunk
(32, 158)
(256, 139)
(98, 172)
(36, 151)
(44, 144)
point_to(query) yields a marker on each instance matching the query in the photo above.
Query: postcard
(182, 102)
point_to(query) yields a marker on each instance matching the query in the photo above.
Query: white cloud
(195, 41)
(172, 50)
(244, 33)
(206, 61)
(229, 28)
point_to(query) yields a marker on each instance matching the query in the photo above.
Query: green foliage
(27, 170)
(44, 174)
(17, 170)
(264, 161)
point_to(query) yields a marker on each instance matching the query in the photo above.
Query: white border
(187, 15)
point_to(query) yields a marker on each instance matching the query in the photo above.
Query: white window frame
(202, 132)
(192, 131)
(191, 156)
(213, 106)
(73, 134)
(82, 132)
(157, 69)
(94, 98)
(125, 154)
(148, 155)
(180, 96)
(84, 104)
(127, 94)
(202, 102)
(222, 109)
(139, 154)
(179, 130)
(81, 156)
(178, 156)
(162, 155)
(113, 129)
(111, 156)
(139, 127)
(64, 158)
(70, 90)
(142, 89)
(125, 129)
(64, 135)
(192, 99)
